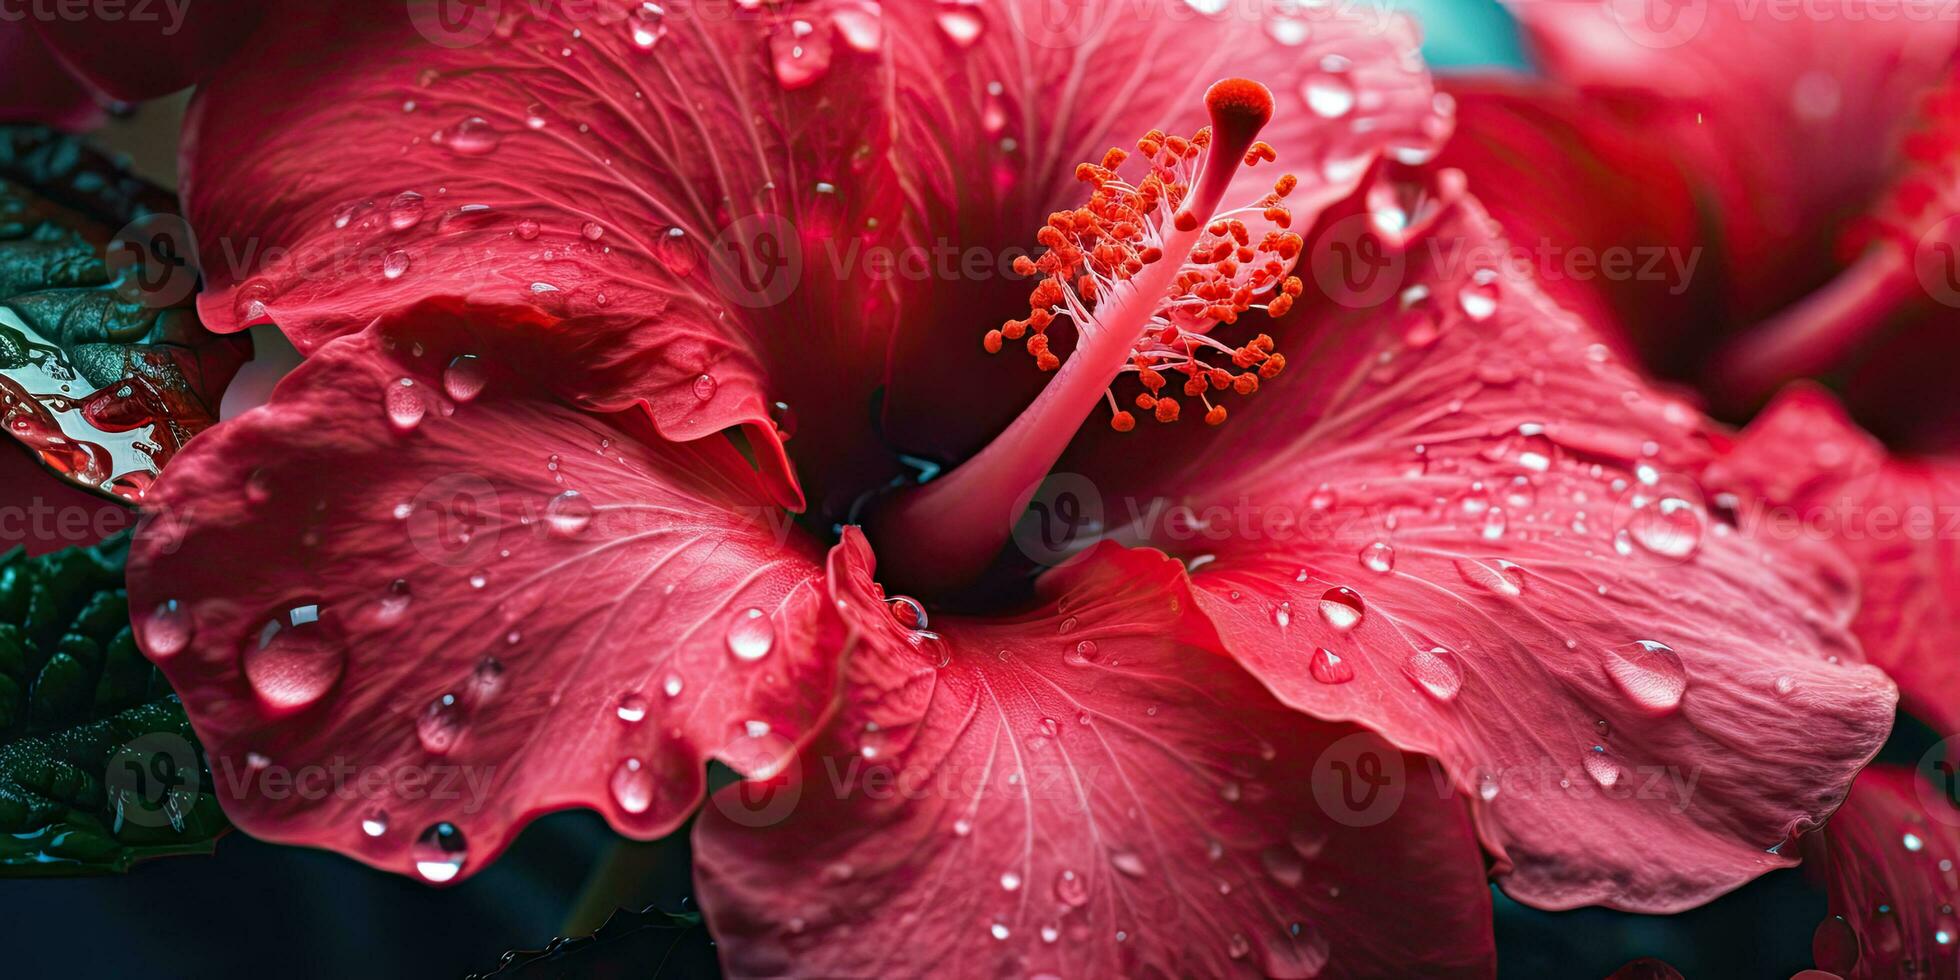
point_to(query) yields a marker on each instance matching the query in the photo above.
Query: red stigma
(1240, 108)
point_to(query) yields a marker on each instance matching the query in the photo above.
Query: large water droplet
(294, 660)
(704, 387)
(1329, 667)
(632, 786)
(1500, 577)
(471, 137)
(1071, 889)
(1834, 946)
(374, 823)
(632, 709)
(646, 25)
(1341, 607)
(405, 404)
(568, 514)
(465, 377)
(1436, 671)
(440, 725)
(1478, 300)
(405, 211)
(1667, 527)
(168, 630)
(1128, 863)
(1649, 673)
(1329, 96)
(800, 53)
(439, 853)
(1600, 768)
(1284, 866)
(1378, 557)
(961, 22)
(751, 635)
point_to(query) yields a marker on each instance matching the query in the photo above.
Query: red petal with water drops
(145, 50)
(1788, 119)
(412, 603)
(1462, 494)
(1803, 469)
(1607, 215)
(1054, 85)
(1888, 859)
(640, 167)
(1086, 789)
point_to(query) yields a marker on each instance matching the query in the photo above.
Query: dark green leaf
(98, 765)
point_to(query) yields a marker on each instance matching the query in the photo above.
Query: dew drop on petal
(671, 686)
(1834, 946)
(1378, 558)
(631, 709)
(568, 514)
(1128, 863)
(1601, 769)
(394, 265)
(465, 377)
(405, 405)
(440, 725)
(440, 853)
(752, 635)
(1436, 671)
(704, 387)
(293, 661)
(632, 786)
(1478, 300)
(1500, 577)
(405, 211)
(1010, 881)
(168, 630)
(1667, 527)
(375, 822)
(1329, 96)
(1329, 667)
(1341, 607)
(1649, 673)
(1072, 889)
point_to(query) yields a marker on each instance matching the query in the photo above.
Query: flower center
(1144, 272)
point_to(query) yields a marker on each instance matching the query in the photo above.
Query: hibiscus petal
(1804, 469)
(1085, 790)
(1789, 119)
(412, 603)
(1478, 537)
(149, 49)
(1057, 84)
(37, 89)
(1888, 858)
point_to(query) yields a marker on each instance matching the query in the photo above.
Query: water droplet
(1667, 527)
(1502, 577)
(1128, 863)
(998, 930)
(1329, 667)
(632, 708)
(1601, 769)
(375, 822)
(960, 21)
(405, 405)
(1239, 947)
(527, 229)
(1785, 685)
(1088, 651)
(704, 387)
(1341, 607)
(632, 786)
(1071, 889)
(751, 635)
(1487, 787)
(908, 612)
(294, 661)
(1834, 946)
(1050, 932)
(647, 24)
(1378, 557)
(801, 54)
(1436, 671)
(404, 211)
(962, 827)
(1329, 96)
(169, 629)
(441, 724)
(465, 377)
(592, 231)
(1009, 880)
(671, 686)
(568, 514)
(1283, 615)
(440, 852)
(471, 137)
(1479, 300)
(1283, 866)
(1650, 673)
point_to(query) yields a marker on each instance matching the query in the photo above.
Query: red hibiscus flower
(618, 336)
(1806, 156)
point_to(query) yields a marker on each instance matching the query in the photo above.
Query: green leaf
(106, 368)
(644, 945)
(98, 764)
